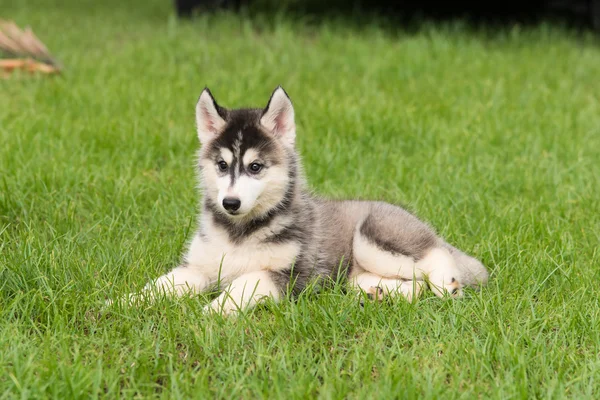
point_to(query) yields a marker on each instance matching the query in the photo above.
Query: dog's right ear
(209, 117)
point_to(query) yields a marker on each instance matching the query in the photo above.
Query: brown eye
(255, 167)
(222, 166)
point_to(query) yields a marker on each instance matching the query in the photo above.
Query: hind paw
(443, 289)
(375, 293)
(372, 293)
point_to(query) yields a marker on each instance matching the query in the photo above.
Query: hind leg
(392, 243)
(377, 287)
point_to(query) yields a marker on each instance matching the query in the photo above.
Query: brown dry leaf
(9, 65)
(28, 52)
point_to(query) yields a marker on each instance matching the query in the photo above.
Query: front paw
(222, 305)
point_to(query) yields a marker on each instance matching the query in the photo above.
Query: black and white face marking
(245, 156)
(245, 171)
(241, 178)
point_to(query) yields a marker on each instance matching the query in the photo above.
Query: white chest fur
(217, 257)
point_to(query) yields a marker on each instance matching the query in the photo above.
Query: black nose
(231, 203)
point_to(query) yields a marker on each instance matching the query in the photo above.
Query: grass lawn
(492, 137)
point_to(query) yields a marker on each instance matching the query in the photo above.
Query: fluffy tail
(474, 272)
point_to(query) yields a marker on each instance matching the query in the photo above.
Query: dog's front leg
(183, 280)
(189, 278)
(245, 292)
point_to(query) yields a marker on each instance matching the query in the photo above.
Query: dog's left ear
(278, 116)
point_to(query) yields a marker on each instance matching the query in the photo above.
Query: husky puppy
(262, 232)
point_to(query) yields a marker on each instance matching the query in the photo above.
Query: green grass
(492, 137)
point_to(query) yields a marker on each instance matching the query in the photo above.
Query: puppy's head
(246, 160)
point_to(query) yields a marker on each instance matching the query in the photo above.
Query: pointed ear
(209, 117)
(278, 116)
